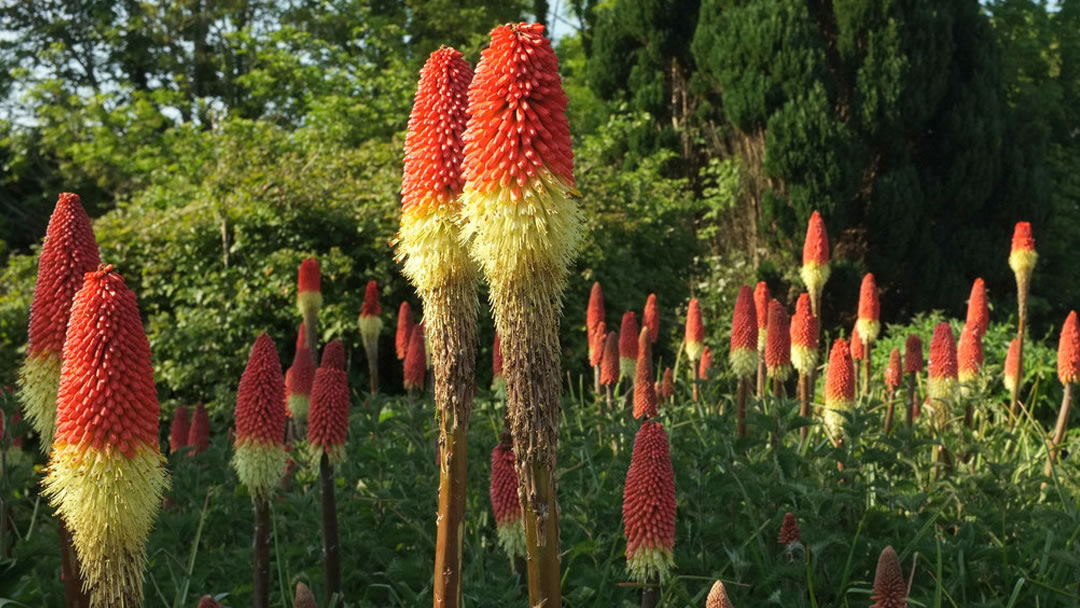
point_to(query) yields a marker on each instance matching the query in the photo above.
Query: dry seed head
(304, 598)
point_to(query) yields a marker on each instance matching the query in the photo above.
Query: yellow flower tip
(744, 362)
(814, 276)
(259, 464)
(536, 235)
(966, 376)
(868, 329)
(335, 453)
(694, 350)
(431, 249)
(109, 502)
(1022, 262)
(833, 417)
(648, 563)
(1010, 382)
(804, 359)
(511, 536)
(762, 339)
(627, 367)
(782, 372)
(940, 392)
(298, 406)
(309, 302)
(370, 326)
(39, 381)
(940, 388)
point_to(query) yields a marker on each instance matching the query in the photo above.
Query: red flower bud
(649, 505)
(651, 318)
(695, 331)
(416, 360)
(705, 364)
(371, 305)
(869, 321)
(744, 352)
(1012, 364)
(179, 429)
(969, 354)
(804, 336)
(644, 388)
(404, 328)
(610, 364)
(913, 355)
(717, 597)
(1069, 351)
(789, 530)
(761, 308)
(199, 433)
(778, 345)
(628, 343)
(890, 591)
(328, 423)
(667, 389)
(893, 371)
(978, 311)
(595, 314)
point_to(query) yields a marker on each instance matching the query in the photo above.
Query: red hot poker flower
(857, 351)
(839, 389)
(667, 388)
(717, 597)
(179, 429)
(869, 322)
(1069, 351)
(705, 364)
(761, 308)
(260, 420)
(404, 328)
(596, 344)
(778, 345)
(503, 491)
(651, 318)
(371, 305)
(695, 331)
(199, 433)
(416, 360)
(942, 373)
(1012, 364)
(298, 379)
(789, 530)
(649, 506)
(628, 344)
(610, 364)
(595, 314)
(913, 355)
(890, 590)
(978, 311)
(969, 355)
(804, 336)
(1022, 258)
(644, 387)
(893, 371)
(744, 352)
(329, 421)
(309, 288)
(815, 268)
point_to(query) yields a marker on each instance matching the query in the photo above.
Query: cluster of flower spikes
(199, 434)
(1012, 364)
(695, 331)
(610, 365)
(649, 506)
(942, 374)
(705, 364)
(299, 377)
(839, 389)
(804, 336)
(329, 420)
(430, 245)
(893, 371)
(179, 429)
(889, 591)
(789, 530)
(868, 323)
(815, 267)
(106, 474)
(644, 383)
(416, 360)
(69, 252)
(717, 597)
(651, 317)
(370, 322)
(504, 499)
(404, 330)
(628, 344)
(761, 311)
(1068, 355)
(519, 188)
(309, 288)
(595, 327)
(260, 421)
(744, 352)
(778, 342)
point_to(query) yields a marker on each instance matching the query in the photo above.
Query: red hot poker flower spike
(503, 491)
(199, 434)
(667, 388)
(804, 336)
(644, 387)
(695, 331)
(329, 421)
(815, 268)
(309, 288)
(761, 308)
(1022, 258)
(778, 345)
(839, 389)
(628, 344)
(869, 322)
(942, 373)
(893, 371)
(260, 420)
(416, 360)
(596, 344)
(744, 351)
(595, 314)
(789, 530)
(1069, 351)
(890, 590)
(857, 351)
(969, 355)
(404, 328)
(706, 364)
(179, 429)
(298, 379)
(978, 311)
(717, 597)
(913, 355)
(371, 305)
(649, 506)
(610, 365)
(1012, 364)
(651, 318)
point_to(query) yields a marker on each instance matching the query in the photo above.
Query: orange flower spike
(416, 360)
(942, 373)
(1069, 351)
(839, 389)
(179, 429)
(298, 379)
(744, 351)
(628, 344)
(717, 597)
(857, 351)
(404, 327)
(913, 355)
(260, 421)
(778, 345)
(329, 424)
(651, 318)
(893, 371)
(804, 336)
(815, 268)
(596, 344)
(594, 318)
(978, 311)
(610, 368)
(695, 331)
(503, 491)
(969, 354)
(649, 506)
(890, 590)
(667, 388)
(789, 530)
(1012, 363)
(761, 309)
(370, 322)
(644, 382)
(106, 475)
(705, 364)
(1022, 258)
(68, 253)
(199, 433)
(309, 288)
(869, 321)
